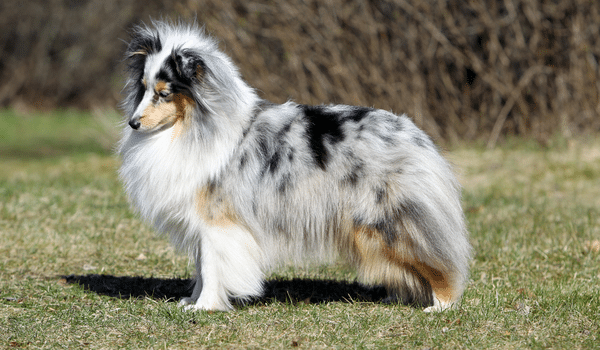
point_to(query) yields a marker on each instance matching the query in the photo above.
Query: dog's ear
(143, 42)
(188, 64)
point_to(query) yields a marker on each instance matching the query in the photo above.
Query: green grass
(44, 135)
(534, 217)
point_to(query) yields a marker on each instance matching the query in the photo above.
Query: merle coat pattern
(242, 184)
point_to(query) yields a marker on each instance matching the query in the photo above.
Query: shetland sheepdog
(242, 184)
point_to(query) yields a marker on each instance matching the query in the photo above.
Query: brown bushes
(462, 70)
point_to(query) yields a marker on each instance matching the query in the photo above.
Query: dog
(243, 185)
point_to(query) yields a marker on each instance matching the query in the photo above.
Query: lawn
(79, 270)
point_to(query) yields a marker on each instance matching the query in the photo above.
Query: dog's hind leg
(419, 284)
(446, 289)
(407, 278)
(380, 264)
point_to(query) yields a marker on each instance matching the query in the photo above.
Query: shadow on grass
(296, 290)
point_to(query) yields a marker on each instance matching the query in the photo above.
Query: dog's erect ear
(188, 64)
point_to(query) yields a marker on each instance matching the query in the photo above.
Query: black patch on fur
(358, 221)
(286, 129)
(243, 160)
(359, 131)
(354, 174)
(388, 227)
(388, 140)
(357, 114)
(420, 141)
(211, 187)
(269, 161)
(390, 224)
(142, 44)
(166, 72)
(272, 155)
(352, 178)
(180, 70)
(380, 195)
(281, 149)
(138, 92)
(273, 162)
(263, 145)
(323, 125)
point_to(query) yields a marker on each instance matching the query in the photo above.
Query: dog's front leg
(229, 264)
(209, 292)
(197, 284)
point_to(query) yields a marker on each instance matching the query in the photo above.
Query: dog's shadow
(297, 290)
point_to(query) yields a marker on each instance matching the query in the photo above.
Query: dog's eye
(164, 93)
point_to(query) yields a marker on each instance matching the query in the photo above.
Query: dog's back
(359, 181)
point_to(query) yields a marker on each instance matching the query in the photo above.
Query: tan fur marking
(438, 281)
(174, 112)
(213, 209)
(157, 115)
(160, 86)
(184, 106)
(140, 52)
(372, 250)
(374, 261)
(370, 242)
(177, 127)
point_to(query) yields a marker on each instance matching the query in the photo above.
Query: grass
(534, 217)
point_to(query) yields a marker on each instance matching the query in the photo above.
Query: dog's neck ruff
(162, 174)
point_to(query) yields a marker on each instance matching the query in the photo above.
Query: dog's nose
(134, 123)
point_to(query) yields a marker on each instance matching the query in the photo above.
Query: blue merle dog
(243, 185)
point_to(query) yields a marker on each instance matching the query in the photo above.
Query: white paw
(202, 307)
(204, 304)
(432, 309)
(439, 306)
(190, 308)
(186, 301)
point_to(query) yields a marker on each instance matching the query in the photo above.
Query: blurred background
(479, 70)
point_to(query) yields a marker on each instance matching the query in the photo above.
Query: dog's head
(175, 73)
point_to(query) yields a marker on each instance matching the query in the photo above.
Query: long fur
(243, 185)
